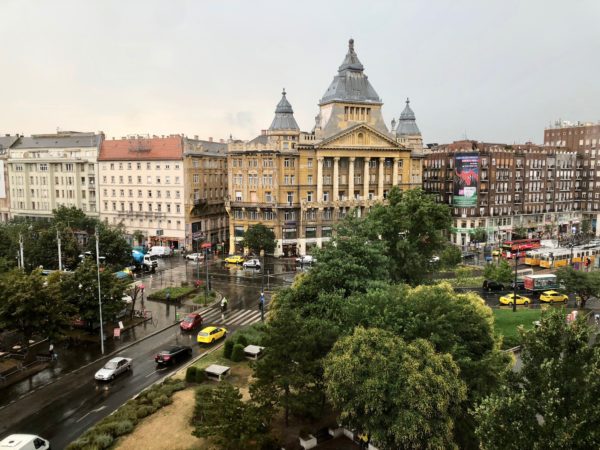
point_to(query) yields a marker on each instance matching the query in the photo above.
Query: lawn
(507, 323)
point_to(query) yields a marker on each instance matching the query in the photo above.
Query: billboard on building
(466, 178)
(2, 181)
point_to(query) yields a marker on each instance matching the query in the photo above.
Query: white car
(195, 256)
(24, 442)
(252, 263)
(112, 368)
(306, 259)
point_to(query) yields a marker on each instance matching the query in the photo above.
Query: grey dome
(284, 116)
(350, 84)
(407, 125)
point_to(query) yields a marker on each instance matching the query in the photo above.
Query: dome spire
(407, 124)
(284, 115)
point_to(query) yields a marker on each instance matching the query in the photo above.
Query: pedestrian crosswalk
(238, 317)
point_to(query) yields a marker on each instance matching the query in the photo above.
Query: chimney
(196, 137)
(263, 132)
(210, 139)
(222, 141)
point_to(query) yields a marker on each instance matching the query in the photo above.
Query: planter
(308, 441)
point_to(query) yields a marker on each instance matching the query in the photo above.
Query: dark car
(520, 285)
(174, 354)
(191, 321)
(491, 285)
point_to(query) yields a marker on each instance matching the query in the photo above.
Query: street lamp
(99, 292)
(514, 305)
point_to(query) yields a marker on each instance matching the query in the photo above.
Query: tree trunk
(286, 397)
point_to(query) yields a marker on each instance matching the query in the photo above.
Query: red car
(190, 322)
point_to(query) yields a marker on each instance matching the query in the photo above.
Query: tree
(80, 289)
(519, 232)
(259, 238)
(289, 375)
(32, 304)
(113, 246)
(479, 235)
(450, 257)
(501, 272)
(404, 395)
(138, 235)
(552, 402)
(220, 414)
(586, 229)
(584, 284)
(412, 226)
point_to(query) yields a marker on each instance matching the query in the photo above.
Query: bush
(145, 410)
(242, 340)
(190, 374)
(123, 427)
(161, 401)
(238, 353)
(228, 348)
(103, 440)
(200, 376)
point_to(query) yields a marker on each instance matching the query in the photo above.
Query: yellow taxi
(508, 299)
(553, 297)
(211, 334)
(234, 259)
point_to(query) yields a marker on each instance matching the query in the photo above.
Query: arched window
(361, 138)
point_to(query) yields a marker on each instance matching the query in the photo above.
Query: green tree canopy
(404, 395)
(232, 424)
(552, 402)
(584, 284)
(501, 272)
(33, 304)
(258, 238)
(412, 225)
(451, 256)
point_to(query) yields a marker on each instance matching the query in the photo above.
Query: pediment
(360, 136)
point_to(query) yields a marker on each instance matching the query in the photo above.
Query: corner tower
(349, 100)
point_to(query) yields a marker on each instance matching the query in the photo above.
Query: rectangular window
(309, 179)
(288, 162)
(311, 232)
(290, 197)
(326, 232)
(309, 196)
(309, 163)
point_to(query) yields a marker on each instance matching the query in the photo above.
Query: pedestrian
(223, 308)
(51, 352)
(597, 319)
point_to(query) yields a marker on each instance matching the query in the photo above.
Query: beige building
(205, 190)
(300, 184)
(49, 170)
(171, 189)
(5, 143)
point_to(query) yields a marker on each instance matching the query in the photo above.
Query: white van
(24, 442)
(161, 251)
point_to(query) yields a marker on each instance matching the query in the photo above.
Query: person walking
(223, 308)
(51, 352)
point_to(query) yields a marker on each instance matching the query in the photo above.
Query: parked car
(211, 334)
(306, 259)
(195, 257)
(252, 263)
(24, 442)
(112, 368)
(491, 285)
(553, 297)
(234, 259)
(191, 321)
(434, 259)
(509, 299)
(174, 354)
(161, 251)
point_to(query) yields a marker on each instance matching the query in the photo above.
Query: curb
(125, 347)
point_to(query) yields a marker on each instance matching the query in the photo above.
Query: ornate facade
(301, 183)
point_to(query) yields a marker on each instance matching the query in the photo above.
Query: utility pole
(99, 292)
(59, 252)
(21, 251)
(206, 284)
(514, 305)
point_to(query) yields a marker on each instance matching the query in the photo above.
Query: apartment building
(5, 143)
(205, 190)
(49, 170)
(300, 184)
(498, 188)
(171, 189)
(583, 137)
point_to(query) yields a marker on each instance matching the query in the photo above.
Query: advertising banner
(466, 179)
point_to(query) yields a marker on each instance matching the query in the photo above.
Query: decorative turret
(407, 125)
(284, 116)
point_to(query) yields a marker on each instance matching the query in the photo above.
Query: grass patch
(466, 282)
(507, 322)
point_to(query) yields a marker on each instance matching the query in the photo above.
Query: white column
(366, 179)
(395, 174)
(351, 178)
(336, 176)
(320, 179)
(380, 178)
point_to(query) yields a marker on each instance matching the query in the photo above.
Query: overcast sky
(498, 71)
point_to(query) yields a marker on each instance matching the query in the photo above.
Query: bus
(509, 248)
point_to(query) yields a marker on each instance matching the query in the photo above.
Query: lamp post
(206, 284)
(99, 292)
(514, 305)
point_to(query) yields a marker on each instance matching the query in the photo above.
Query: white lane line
(155, 371)
(90, 412)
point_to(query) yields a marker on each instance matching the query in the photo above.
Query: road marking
(255, 318)
(156, 371)
(92, 411)
(238, 318)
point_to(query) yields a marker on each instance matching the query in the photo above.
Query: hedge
(228, 348)
(238, 353)
(124, 420)
(242, 340)
(190, 374)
